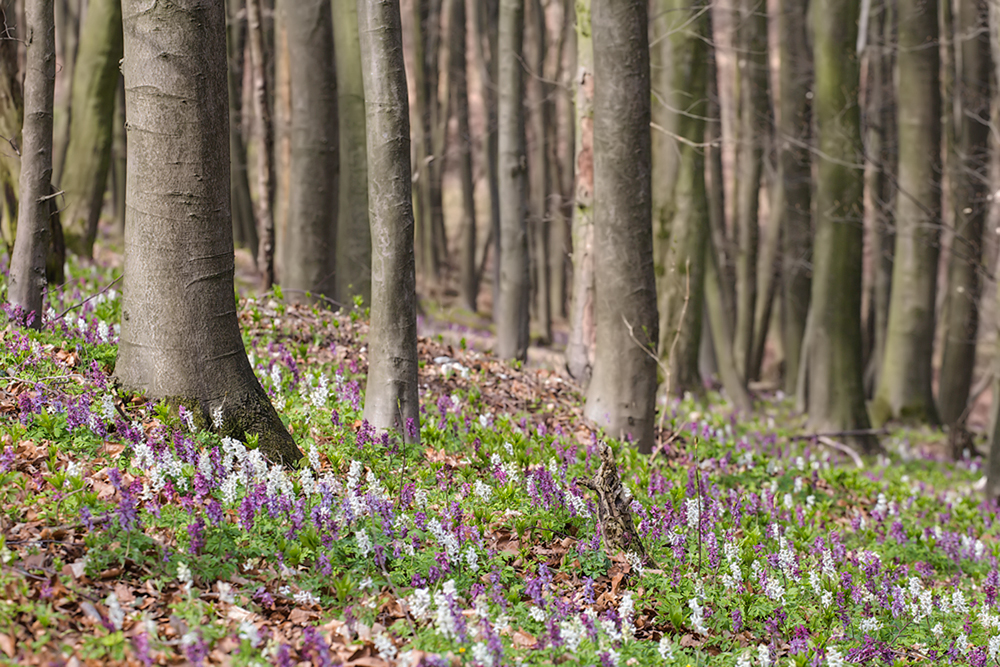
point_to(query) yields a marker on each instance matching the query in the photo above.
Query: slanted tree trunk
(969, 192)
(354, 241)
(795, 175)
(833, 374)
(540, 118)
(91, 130)
(11, 110)
(264, 139)
(180, 337)
(27, 270)
(904, 390)
(512, 309)
(621, 396)
(580, 347)
(458, 84)
(680, 207)
(391, 395)
(310, 240)
(244, 223)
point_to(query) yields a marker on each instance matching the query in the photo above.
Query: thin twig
(842, 448)
(841, 434)
(63, 313)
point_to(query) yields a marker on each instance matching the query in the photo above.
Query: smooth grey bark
(832, 372)
(180, 337)
(27, 269)
(562, 160)
(539, 120)
(678, 32)
(264, 139)
(11, 111)
(391, 395)
(970, 189)
(67, 16)
(279, 80)
(354, 240)
(311, 236)
(993, 433)
(904, 389)
(768, 268)
(244, 222)
(621, 396)
(426, 31)
(486, 19)
(512, 309)
(118, 167)
(88, 155)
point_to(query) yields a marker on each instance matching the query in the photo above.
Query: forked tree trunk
(311, 236)
(833, 374)
(621, 396)
(354, 241)
(264, 148)
(88, 155)
(458, 84)
(512, 310)
(904, 390)
(27, 270)
(391, 395)
(180, 337)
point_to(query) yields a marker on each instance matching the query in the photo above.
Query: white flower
(217, 418)
(993, 648)
(537, 614)
(471, 559)
(572, 632)
(774, 590)
(692, 509)
(183, 573)
(229, 488)
(764, 655)
(481, 652)
(305, 598)
(789, 502)
(745, 659)
(314, 458)
(115, 612)
(578, 504)
(108, 407)
(482, 491)
(937, 630)
(870, 625)
(248, 632)
(697, 617)
(364, 543)
(958, 603)
(666, 649)
(834, 658)
(625, 610)
(383, 644)
(420, 603)
(189, 420)
(962, 643)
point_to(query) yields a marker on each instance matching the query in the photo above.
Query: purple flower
(196, 535)
(7, 459)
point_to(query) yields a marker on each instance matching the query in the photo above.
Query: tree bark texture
(244, 221)
(264, 136)
(11, 113)
(391, 394)
(539, 119)
(485, 13)
(621, 396)
(904, 390)
(91, 131)
(512, 310)
(311, 236)
(969, 192)
(27, 269)
(354, 240)
(180, 337)
(680, 206)
(67, 16)
(562, 160)
(426, 30)
(833, 373)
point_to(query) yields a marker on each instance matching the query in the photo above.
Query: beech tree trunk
(27, 270)
(11, 110)
(264, 135)
(458, 84)
(539, 121)
(244, 222)
(354, 240)
(310, 240)
(512, 309)
(91, 130)
(621, 396)
(180, 338)
(67, 17)
(391, 394)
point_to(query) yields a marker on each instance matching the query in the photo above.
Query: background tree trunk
(310, 240)
(11, 110)
(264, 140)
(621, 396)
(181, 339)
(512, 310)
(354, 241)
(67, 17)
(539, 120)
(904, 390)
(835, 391)
(485, 15)
(88, 155)
(391, 393)
(426, 26)
(27, 270)
(244, 222)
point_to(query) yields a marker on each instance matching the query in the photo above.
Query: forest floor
(129, 537)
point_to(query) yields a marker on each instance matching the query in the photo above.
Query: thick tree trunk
(993, 435)
(118, 164)
(180, 337)
(391, 395)
(539, 120)
(904, 390)
(680, 207)
(833, 373)
(88, 155)
(580, 347)
(264, 139)
(969, 192)
(310, 240)
(244, 222)
(512, 310)
(354, 240)
(621, 396)
(11, 110)
(458, 84)
(27, 269)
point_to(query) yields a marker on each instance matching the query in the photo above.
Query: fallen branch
(841, 434)
(843, 449)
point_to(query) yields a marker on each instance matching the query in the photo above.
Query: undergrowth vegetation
(131, 534)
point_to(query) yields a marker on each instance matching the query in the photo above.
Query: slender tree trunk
(180, 337)
(752, 36)
(512, 310)
(680, 206)
(354, 240)
(391, 394)
(27, 270)
(768, 270)
(485, 17)
(969, 191)
(91, 129)
(279, 78)
(721, 334)
(67, 15)
(458, 83)
(244, 223)
(582, 333)
(562, 157)
(621, 396)
(993, 433)
(904, 390)
(310, 240)
(426, 25)
(832, 352)
(265, 145)
(118, 164)
(539, 117)
(11, 110)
